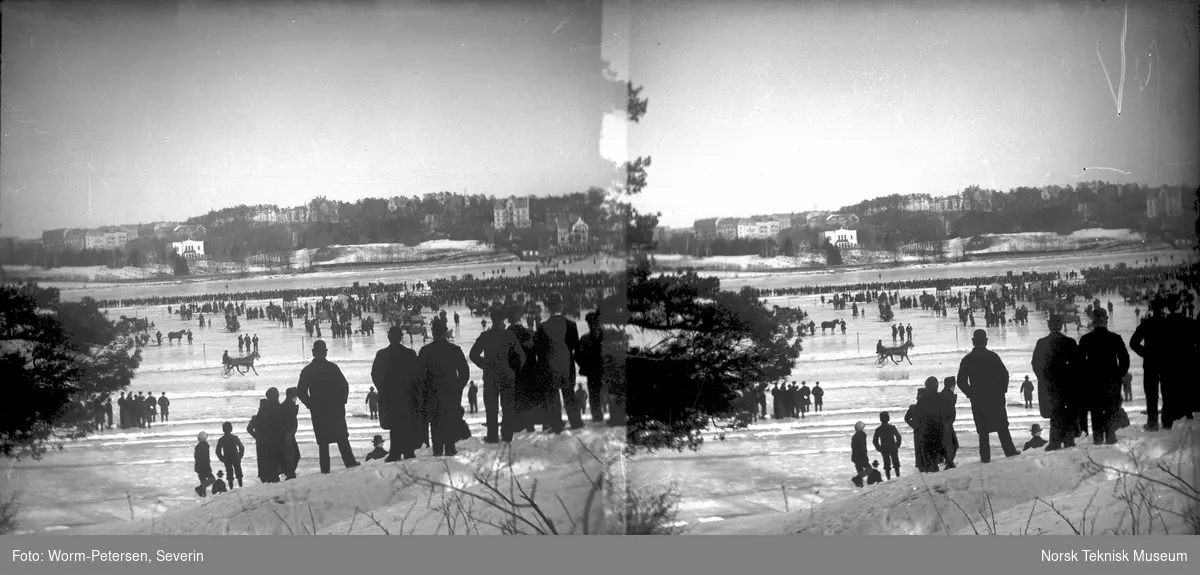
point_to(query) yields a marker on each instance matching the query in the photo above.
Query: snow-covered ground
(431, 251)
(1028, 242)
(1086, 490)
(476, 492)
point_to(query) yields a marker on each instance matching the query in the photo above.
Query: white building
(513, 211)
(758, 229)
(95, 240)
(189, 249)
(843, 238)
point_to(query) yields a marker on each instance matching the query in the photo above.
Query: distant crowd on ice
(528, 379)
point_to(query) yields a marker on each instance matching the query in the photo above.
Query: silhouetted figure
(203, 465)
(378, 452)
(1105, 361)
(499, 354)
(556, 340)
(983, 378)
(873, 476)
(396, 373)
(1027, 391)
(267, 429)
(323, 389)
(230, 452)
(444, 377)
(1035, 442)
(473, 397)
(887, 442)
(1056, 365)
(818, 397)
(858, 451)
(164, 409)
(373, 403)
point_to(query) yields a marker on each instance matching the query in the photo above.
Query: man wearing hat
(1056, 363)
(1105, 361)
(379, 452)
(498, 353)
(1036, 441)
(556, 340)
(395, 374)
(1148, 342)
(983, 378)
(445, 375)
(324, 391)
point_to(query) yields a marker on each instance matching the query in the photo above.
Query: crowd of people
(1081, 385)
(528, 380)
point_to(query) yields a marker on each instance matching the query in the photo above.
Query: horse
(830, 325)
(176, 335)
(892, 353)
(241, 364)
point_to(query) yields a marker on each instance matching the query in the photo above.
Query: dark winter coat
(203, 463)
(230, 449)
(1055, 363)
(324, 391)
(527, 377)
(1105, 361)
(590, 356)
(983, 378)
(396, 374)
(858, 448)
(556, 341)
(444, 376)
(1149, 339)
(268, 430)
(887, 438)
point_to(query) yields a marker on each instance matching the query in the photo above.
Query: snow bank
(398, 498)
(1060, 492)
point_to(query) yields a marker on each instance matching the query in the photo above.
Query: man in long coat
(1055, 363)
(1148, 341)
(444, 376)
(528, 391)
(557, 339)
(395, 373)
(324, 391)
(983, 378)
(1180, 398)
(1105, 361)
(498, 353)
(590, 357)
(268, 430)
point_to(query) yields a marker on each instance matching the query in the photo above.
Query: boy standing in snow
(1036, 442)
(858, 452)
(887, 442)
(230, 451)
(203, 465)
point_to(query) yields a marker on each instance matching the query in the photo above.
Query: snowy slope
(1010, 496)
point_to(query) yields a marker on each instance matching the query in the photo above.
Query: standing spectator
(1105, 361)
(557, 339)
(395, 372)
(498, 353)
(1180, 398)
(373, 403)
(1147, 341)
(324, 391)
(164, 409)
(1027, 391)
(230, 452)
(203, 465)
(1056, 363)
(445, 374)
(590, 358)
(818, 397)
(887, 442)
(984, 380)
(291, 449)
(949, 414)
(858, 453)
(473, 397)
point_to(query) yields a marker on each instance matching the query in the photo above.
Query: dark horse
(895, 354)
(176, 335)
(830, 325)
(241, 365)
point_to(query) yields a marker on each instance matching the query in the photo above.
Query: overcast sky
(779, 107)
(178, 110)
